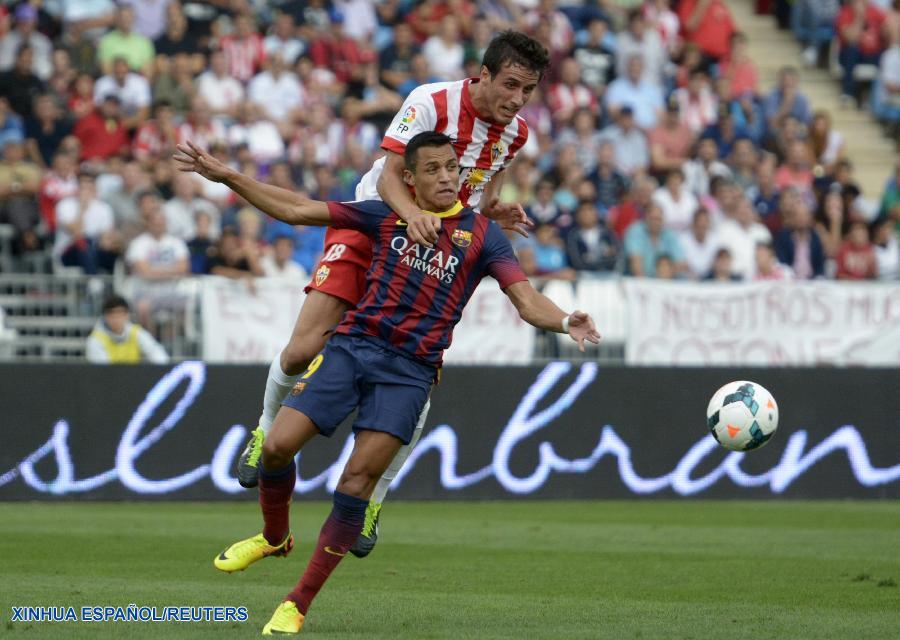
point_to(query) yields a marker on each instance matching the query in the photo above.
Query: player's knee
(275, 455)
(358, 481)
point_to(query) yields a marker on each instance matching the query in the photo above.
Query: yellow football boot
(242, 554)
(286, 619)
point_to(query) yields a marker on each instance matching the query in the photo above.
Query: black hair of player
(424, 139)
(115, 302)
(513, 47)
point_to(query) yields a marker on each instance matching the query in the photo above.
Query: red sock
(275, 491)
(338, 534)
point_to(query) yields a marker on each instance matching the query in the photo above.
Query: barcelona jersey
(415, 295)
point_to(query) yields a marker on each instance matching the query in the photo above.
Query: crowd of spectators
(654, 151)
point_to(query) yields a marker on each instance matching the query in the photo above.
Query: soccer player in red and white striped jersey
(480, 116)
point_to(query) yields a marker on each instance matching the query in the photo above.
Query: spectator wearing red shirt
(423, 19)
(244, 50)
(57, 184)
(81, 99)
(795, 172)
(335, 51)
(856, 257)
(739, 70)
(633, 207)
(709, 24)
(859, 26)
(157, 137)
(561, 34)
(102, 133)
(670, 142)
(426, 18)
(570, 93)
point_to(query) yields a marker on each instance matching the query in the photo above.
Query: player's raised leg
(369, 534)
(290, 431)
(318, 316)
(372, 453)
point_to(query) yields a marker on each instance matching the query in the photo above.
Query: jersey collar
(452, 211)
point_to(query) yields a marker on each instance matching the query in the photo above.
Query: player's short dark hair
(115, 302)
(514, 47)
(424, 139)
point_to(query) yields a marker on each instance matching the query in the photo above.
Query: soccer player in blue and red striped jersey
(385, 355)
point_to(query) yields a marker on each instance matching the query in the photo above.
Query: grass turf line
(618, 570)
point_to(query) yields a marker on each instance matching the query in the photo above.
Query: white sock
(277, 386)
(400, 458)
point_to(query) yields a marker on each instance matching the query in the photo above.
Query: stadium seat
(6, 259)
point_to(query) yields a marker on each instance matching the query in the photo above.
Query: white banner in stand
(243, 324)
(762, 323)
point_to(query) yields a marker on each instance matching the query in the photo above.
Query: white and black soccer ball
(742, 416)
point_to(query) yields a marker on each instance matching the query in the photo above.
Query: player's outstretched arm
(276, 202)
(540, 311)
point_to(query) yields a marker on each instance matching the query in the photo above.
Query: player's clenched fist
(190, 157)
(423, 229)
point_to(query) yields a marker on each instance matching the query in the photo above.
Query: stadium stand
(299, 94)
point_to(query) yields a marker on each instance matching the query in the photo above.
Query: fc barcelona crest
(298, 388)
(322, 274)
(461, 238)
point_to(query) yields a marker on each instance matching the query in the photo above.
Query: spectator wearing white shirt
(740, 235)
(221, 93)
(180, 211)
(629, 142)
(85, 230)
(200, 127)
(132, 90)
(149, 16)
(641, 40)
(89, 18)
(262, 137)
(278, 92)
(283, 40)
(25, 32)
(659, 16)
(360, 21)
(700, 244)
(156, 255)
(444, 51)
(157, 260)
(677, 203)
(887, 251)
(705, 166)
(280, 262)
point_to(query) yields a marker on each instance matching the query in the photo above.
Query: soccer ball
(742, 416)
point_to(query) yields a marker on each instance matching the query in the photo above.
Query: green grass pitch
(618, 570)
